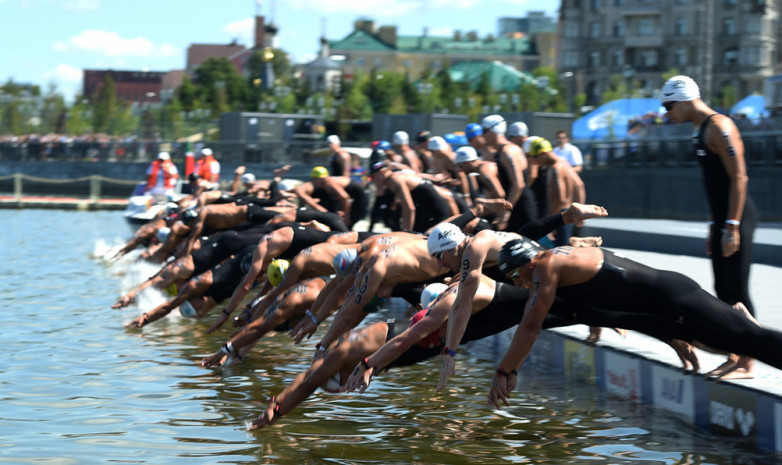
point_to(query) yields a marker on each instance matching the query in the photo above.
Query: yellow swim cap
(319, 172)
(536, 145)
(276, 271)
(172, 290)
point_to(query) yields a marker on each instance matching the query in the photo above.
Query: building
(502, 77)
(533, 23)
(323, 74)
(718, 43)
(134, 87)
(368, 48)
(238, 55)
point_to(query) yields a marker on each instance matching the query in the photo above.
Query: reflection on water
(76, 387)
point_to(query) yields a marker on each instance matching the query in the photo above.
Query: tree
(187, 95)
(104, 106)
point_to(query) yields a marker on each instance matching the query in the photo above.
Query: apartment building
(718, 43)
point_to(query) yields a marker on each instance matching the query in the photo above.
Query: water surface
(76, 387)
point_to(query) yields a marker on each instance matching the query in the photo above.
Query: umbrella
(611, 119)
(753, 107)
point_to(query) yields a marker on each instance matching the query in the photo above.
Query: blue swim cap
(473, 130)
(384, 144)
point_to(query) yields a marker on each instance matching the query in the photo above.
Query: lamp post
(569, 76)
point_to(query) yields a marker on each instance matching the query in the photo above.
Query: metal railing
(93, 187)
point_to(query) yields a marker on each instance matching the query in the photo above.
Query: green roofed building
(502, 78)
(368, 48)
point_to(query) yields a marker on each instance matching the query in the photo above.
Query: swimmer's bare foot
(314, 224)
(741, 308)
(594, 335)
(281, 170)
(580, 212)
(735, 367)
(686, 354)
(493, 205)
(590, 241)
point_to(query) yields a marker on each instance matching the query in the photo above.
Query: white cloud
(242, 29)
(65, 74)
(111, 44)
(384, 8)
(82, 5)
(67, 79)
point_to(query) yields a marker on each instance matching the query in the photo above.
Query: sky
(50, 42)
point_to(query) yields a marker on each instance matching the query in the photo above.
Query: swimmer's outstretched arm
(342, 355)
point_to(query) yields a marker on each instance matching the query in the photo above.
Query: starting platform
(645, 370)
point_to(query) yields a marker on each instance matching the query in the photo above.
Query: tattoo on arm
(731, 149)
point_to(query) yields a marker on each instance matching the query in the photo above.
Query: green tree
(79, 118)
(187, 95)
(104, 106)
(727, 97)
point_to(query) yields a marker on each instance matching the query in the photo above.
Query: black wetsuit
(228, 243)
(303, 238)
(332, 220)
(226, 276)
(257, 214)
(430, 207)
(627, 286)
(336, 165)
(358, 209)
(731, 274)
(524, 210)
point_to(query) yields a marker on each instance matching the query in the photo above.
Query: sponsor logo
(622, 376)
(732, 410)
(673, 391)
(580, 361)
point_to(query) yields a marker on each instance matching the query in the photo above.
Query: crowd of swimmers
(479, 239)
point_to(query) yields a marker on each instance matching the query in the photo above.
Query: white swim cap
(495, 124)
(400, 138)
(186, 309)
(206, 151)
(679, 89)
(445, 236)
(344, 261)
(163, 233)
(437, 143)
(286, 185)
(430, 293)
(465, 154)
(248, 178)
(518, 128)
(333, 139)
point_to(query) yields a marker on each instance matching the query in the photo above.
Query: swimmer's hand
(138, 322)
(268, 417)
(359, 379)
(214, 360)
(124, 301)
(448, 369)
(501, 387)
(305, 328)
